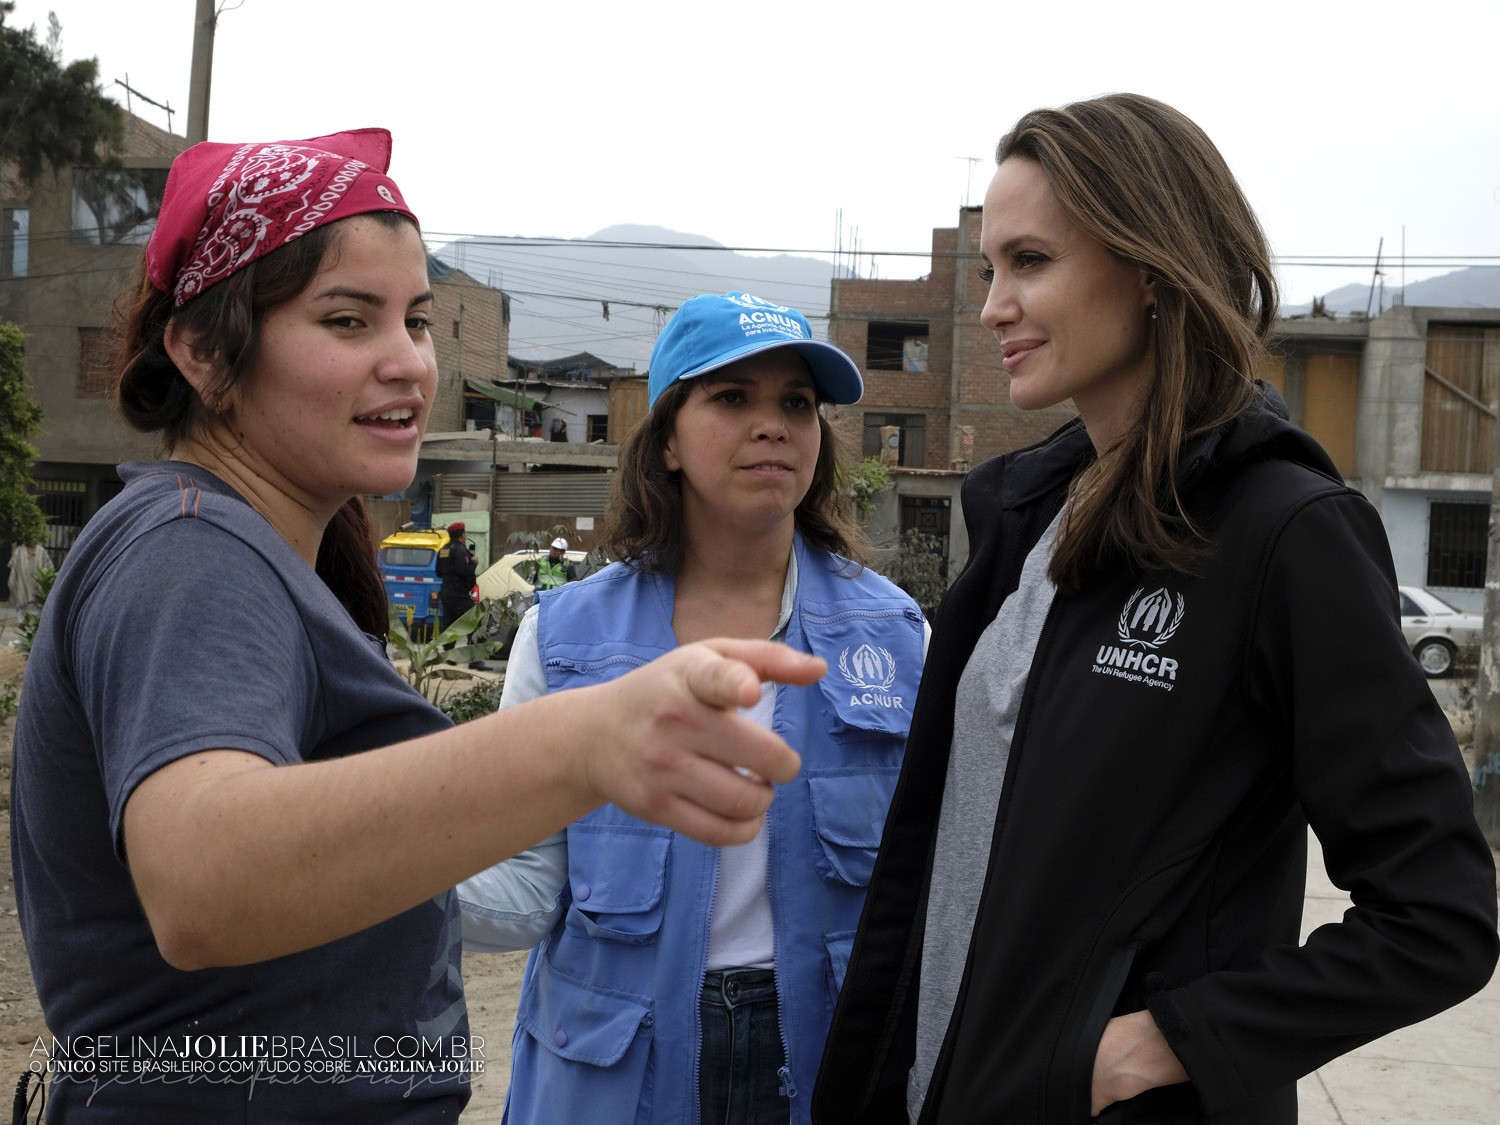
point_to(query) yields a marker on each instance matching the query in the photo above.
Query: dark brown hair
(644, 524)
(155, 399)
(1147, 183)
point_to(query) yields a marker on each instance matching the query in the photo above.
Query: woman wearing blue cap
(676, 982)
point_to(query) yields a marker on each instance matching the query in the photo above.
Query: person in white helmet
(555, 569)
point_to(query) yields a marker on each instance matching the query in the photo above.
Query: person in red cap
(235, 825)
(456, 571)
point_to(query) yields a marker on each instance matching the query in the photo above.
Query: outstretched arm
(356, 840)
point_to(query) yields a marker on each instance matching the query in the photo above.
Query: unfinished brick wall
(964, 390)
(471, 338)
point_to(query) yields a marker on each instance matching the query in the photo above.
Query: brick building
(930, 367)
(471, 335)
(70, 240)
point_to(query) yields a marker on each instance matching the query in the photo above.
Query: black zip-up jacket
(1176, 736)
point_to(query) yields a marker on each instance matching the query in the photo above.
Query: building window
(65, 504)
(113, 206)
(913, 437)
(1459, 390)
(95, 379)
(479, 412)
(896, 345)
(1457, 538)
(1330, 405)
(598, 427)
(15, 241)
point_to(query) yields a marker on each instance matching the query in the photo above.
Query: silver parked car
(505, 588)
(1435, 630)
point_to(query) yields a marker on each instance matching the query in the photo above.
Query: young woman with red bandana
(235, 826)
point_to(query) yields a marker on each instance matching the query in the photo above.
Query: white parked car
(1435, 630)
(506, 585)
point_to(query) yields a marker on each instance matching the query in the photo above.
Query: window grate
(1457, 540)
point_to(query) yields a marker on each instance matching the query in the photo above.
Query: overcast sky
(756, 124)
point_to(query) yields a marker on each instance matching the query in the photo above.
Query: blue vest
(608, 1025)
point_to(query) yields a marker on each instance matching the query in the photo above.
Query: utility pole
(1487, 682)
(202, 73)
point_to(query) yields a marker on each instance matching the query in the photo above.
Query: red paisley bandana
(226, 205)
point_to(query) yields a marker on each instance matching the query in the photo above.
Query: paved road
(1447, 691)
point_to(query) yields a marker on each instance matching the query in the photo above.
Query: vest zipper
(713, 900)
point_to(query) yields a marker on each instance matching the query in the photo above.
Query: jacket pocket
(1081, 1087)
(848, 815)
(617, 877)
(1165, 1105)
(578, 1049)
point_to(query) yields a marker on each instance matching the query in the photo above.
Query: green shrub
(474, 702)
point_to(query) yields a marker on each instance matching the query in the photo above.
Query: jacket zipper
(1007, 786)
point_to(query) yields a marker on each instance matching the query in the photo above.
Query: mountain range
(1477, 287)
(610, 293)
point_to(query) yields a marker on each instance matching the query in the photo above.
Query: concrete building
(933, 386)
(1405, 405)
(72, 239)
(68, 244)
(471, 335)
(930, 368)
(536, 452)
(573, 399)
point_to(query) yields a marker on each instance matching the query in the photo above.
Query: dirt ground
(491, 981)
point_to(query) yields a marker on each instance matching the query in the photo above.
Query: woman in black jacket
(1175, 645)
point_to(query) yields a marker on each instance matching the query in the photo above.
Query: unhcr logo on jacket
(1147, 622)
(873, 670)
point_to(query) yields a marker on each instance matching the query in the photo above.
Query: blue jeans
(742, 1051)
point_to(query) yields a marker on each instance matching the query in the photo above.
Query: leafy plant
(919, 568)
(538, 540)
(21, 520)
(55, 113)
(429, 662)
(472, 703)
(31, 620)
(865, 480)
(9, 700)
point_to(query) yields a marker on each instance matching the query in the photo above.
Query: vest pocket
(577, 1049)
(848, 814)
(617, 876)
(874, 665)
(840, 947)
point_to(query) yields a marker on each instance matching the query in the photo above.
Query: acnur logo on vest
(874, 670)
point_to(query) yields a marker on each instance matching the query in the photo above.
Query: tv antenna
(969, 175)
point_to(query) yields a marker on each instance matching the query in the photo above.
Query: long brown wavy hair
(226, 320)
(1147, 183)
(644, 525)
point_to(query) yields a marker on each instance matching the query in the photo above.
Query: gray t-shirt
(984, 724)
(182, 622)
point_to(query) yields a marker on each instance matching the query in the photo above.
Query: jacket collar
(1259, 429)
